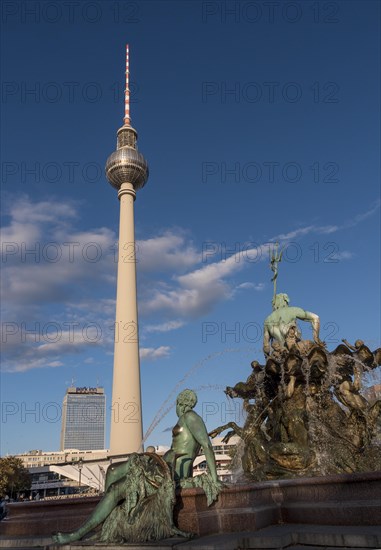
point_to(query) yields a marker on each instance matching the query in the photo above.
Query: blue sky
(258, 125)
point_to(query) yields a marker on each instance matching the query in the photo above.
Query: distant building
(83, 419)
(63, 473)
(59, 473)
(223, 454)
(38, 458)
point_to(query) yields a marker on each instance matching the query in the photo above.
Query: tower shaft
(126, 421)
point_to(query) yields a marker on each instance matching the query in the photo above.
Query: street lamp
(80, 466)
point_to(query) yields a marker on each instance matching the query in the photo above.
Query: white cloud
(187, 302)
(76, 285)
(55, 364)
(16, 235)
(303, 231)
(30, 364)
(164, 327)
(55, 263)
(200, 290)
(212, 273)
(24, 210)
(95, 307)
(51, 273)
(154, 353)
(41, 345)
(167, 252)
(339, 256)
(328, 229)
(364, 215)
(251, 286)
(27, 220)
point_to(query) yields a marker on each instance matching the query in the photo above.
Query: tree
(14, 477)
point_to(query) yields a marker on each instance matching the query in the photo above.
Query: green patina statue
(283, 318)
(307, 413)
(188, 436)
(139, 497)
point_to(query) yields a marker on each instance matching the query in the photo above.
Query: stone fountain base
(337, 500)
(353, 499)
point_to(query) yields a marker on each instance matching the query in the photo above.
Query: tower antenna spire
(127, 91)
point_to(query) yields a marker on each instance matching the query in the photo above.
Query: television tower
(127, 171)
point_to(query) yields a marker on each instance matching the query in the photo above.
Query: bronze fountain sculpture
(305, 413)
(139, 497)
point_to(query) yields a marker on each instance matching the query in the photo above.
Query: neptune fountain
(306, 415)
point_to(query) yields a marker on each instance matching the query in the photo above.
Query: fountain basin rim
(301, 481)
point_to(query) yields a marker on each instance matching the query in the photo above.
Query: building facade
(38, 458)
(83, 419)
(223, 454)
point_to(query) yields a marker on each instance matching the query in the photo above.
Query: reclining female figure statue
(139, 496)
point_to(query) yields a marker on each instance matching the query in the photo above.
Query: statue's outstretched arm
(237, 430)
(348, 344)
(198, 429)
(210, 482)
(315, 322)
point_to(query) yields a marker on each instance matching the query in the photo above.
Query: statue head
(293, 333)
(186, 400)
(358, 344)
(280, 300)
(256, 366)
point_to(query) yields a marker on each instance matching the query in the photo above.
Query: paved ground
(277, 537)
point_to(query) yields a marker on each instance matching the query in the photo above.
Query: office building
(83, 419)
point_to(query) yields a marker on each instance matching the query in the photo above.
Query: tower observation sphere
(126, 164)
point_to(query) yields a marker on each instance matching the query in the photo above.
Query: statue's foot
(63, 538)
(181, 533)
